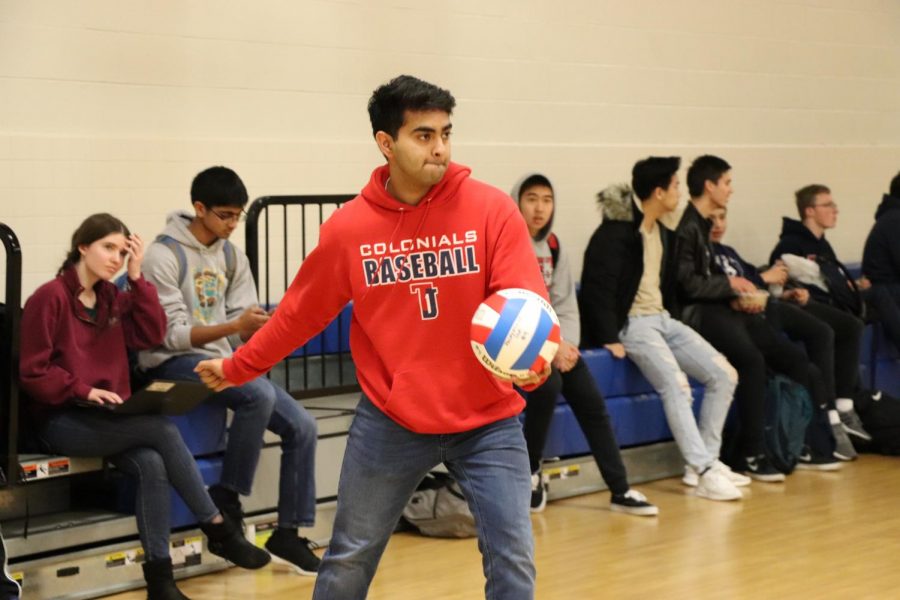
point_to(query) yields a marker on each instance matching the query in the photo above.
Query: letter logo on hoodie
(427, 294)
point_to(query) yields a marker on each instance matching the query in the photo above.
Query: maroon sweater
(65, 352)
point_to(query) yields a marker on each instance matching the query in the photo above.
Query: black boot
(160, 581)
(227, 540)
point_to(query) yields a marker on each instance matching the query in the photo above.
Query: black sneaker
(808, 461)
(293, 551)
(632, 502)
(759, 468)
(538, 492)
(9, 587)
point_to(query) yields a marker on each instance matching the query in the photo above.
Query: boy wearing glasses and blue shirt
(207, 290)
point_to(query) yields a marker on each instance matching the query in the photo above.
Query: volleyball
(515, 331)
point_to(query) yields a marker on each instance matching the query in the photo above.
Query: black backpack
(841, 286)
(788, 415)
(438, 509)
(880, 415)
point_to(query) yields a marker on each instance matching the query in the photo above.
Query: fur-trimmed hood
(617, 202)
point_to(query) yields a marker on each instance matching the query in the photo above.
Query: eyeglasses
(230, 217)
(828, 205)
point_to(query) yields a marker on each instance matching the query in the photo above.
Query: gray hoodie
(205, 297)
(558, 278)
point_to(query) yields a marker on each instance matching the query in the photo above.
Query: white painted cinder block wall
(114, 106)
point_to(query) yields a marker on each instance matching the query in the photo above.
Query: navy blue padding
(180, 515)
(614, 376)
(203, 429)
(334, 339)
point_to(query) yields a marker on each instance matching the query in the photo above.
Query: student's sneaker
(296, 552)
(632, 502)
(538, 492)
(714, 485)
(853, 425)
(843, 448)
(759, 468)
(691, 478)
(807, 461)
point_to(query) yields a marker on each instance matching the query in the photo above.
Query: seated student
(207, 290)
(74, 363)
(839, 303)
(881, 262)
(570, 374)
(626, 292)
(737, 330)
(785, 314)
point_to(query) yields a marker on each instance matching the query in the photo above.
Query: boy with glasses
(839, 303)
(207, 290)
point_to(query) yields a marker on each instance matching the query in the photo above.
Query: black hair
(95, 227)
(895, 186)
(705, 168)
(533, 181)
(389, 103)
(218, 186)
(653, 172)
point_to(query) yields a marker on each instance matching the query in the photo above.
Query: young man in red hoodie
(417, 251)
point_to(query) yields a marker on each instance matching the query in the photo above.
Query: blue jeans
(150, 449)
(664, 349)
(384, 463)
(259, 405)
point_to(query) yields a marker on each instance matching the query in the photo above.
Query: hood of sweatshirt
(442, 192)
(532, 179)
(177, 223)
(795, 227)
(888, 203)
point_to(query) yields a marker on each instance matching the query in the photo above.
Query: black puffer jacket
(613, 267)
(881, 257)
(699, 281)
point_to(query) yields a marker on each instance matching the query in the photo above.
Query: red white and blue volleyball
(515, 331)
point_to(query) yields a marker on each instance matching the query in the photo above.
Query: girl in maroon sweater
(74, 367)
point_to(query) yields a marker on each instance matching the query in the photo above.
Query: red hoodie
(65, 352)
(415, 275)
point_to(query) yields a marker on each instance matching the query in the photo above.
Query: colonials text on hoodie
(415, 275)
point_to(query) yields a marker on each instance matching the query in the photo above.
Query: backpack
(788, 415)
(438, 509)
(880, 415)
(553, 242)
(841, 287)
(177, 249)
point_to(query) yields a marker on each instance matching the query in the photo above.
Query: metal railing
(280, 233)
(9, 358)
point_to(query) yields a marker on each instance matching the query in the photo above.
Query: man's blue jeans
(259, 405)
(384, 463)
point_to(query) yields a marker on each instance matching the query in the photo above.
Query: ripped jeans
(667, 351)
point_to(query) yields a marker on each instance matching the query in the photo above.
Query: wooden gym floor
(819, 535)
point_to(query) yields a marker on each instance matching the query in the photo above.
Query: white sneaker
(736, 478)
(715, 485)
(691, 478)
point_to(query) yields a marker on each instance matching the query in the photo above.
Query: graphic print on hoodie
(415, 275)
(204, 297)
